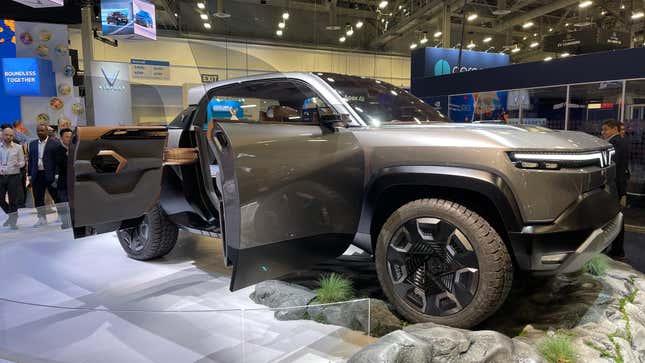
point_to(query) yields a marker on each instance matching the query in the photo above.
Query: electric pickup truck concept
(290, 169)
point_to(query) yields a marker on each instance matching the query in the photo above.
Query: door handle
(221, 138)
(109, 168)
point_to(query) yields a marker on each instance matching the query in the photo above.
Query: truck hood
(523, 137)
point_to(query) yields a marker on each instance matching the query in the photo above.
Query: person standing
(42, 170)
(61, 184)
(12, 159)
(610, 131)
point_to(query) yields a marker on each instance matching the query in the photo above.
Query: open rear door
(114, 175)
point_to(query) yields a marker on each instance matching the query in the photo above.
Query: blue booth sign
(431, 62)
(27, 77)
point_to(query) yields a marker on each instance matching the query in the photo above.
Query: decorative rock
(443, 344)
(279, 294)
(354, 315)
(395, 347)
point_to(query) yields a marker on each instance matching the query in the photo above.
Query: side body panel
(300, 191)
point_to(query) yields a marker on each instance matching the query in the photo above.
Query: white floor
(109, 308)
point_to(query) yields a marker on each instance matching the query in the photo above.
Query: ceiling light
(285, 15)
(524, 38)
(603, 12)
(437, 34)
(349, 32)
(534, 44)
(622, 6)
(548, 59)
(528, 24)
(278, 32)
(176, 15)
(203, 16)
(342, 39)
(564, 55)
(471, 45)
(413, 45)
(382, 4)
(207, 25)
(637, 15)
(400, 7)
(515, 50)
(281, 25)
(566, 24)
(585, 4)
(424, 40)
(359, 24)
(201, 5)
(535, 34)
(487, 39)
(472, 16)
(550, 30)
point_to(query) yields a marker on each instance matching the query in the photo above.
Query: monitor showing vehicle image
(144, 19)
(116, 17)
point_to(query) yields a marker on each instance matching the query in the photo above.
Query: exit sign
(209, 78)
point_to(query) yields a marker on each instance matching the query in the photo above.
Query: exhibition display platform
(67, 300)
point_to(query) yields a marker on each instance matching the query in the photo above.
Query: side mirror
(335, 120)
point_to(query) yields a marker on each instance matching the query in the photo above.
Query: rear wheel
(154, 237)
(438, 261)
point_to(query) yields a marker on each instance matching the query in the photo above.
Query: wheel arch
(483, 191)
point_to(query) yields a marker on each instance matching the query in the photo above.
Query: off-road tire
(160, 240)
(495, 264)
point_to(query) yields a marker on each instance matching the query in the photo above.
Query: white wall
(189, 58)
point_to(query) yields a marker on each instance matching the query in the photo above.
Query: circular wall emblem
(441, 67)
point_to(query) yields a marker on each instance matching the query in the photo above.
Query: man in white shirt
(12, 159)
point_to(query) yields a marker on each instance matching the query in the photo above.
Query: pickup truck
(290, 169)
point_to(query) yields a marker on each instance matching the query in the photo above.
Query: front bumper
(557, 253)
(597, 241)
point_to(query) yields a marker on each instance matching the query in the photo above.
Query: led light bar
(604, 158)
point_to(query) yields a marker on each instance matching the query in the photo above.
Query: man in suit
(611, 131)
(61, 183)
(42, 170)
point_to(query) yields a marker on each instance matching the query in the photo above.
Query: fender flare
(489, 185)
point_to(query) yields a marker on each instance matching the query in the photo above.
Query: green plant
(557, 349)
(597, 266)
(334, 288)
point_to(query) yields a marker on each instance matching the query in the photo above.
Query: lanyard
(5, 159)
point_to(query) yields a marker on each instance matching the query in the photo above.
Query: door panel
(300, 191)
(114, 174)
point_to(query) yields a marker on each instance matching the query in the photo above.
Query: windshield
(380, 103)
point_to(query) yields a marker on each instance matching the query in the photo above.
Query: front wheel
(440, 262)
(154, 237)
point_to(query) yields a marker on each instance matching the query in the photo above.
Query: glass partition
(591, 104)
(634, 119)
(545, 107)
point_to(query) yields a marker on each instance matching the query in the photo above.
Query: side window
(267, 101)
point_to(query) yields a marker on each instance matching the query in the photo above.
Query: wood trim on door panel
(89, 133)
(180, 155)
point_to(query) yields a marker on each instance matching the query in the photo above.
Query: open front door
(114, 175)
(292, 196)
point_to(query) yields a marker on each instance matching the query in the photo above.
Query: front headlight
(555, 160)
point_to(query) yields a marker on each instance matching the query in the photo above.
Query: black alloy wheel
(438, 261)
(154, 237)
(433, 266)
(136, 238)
